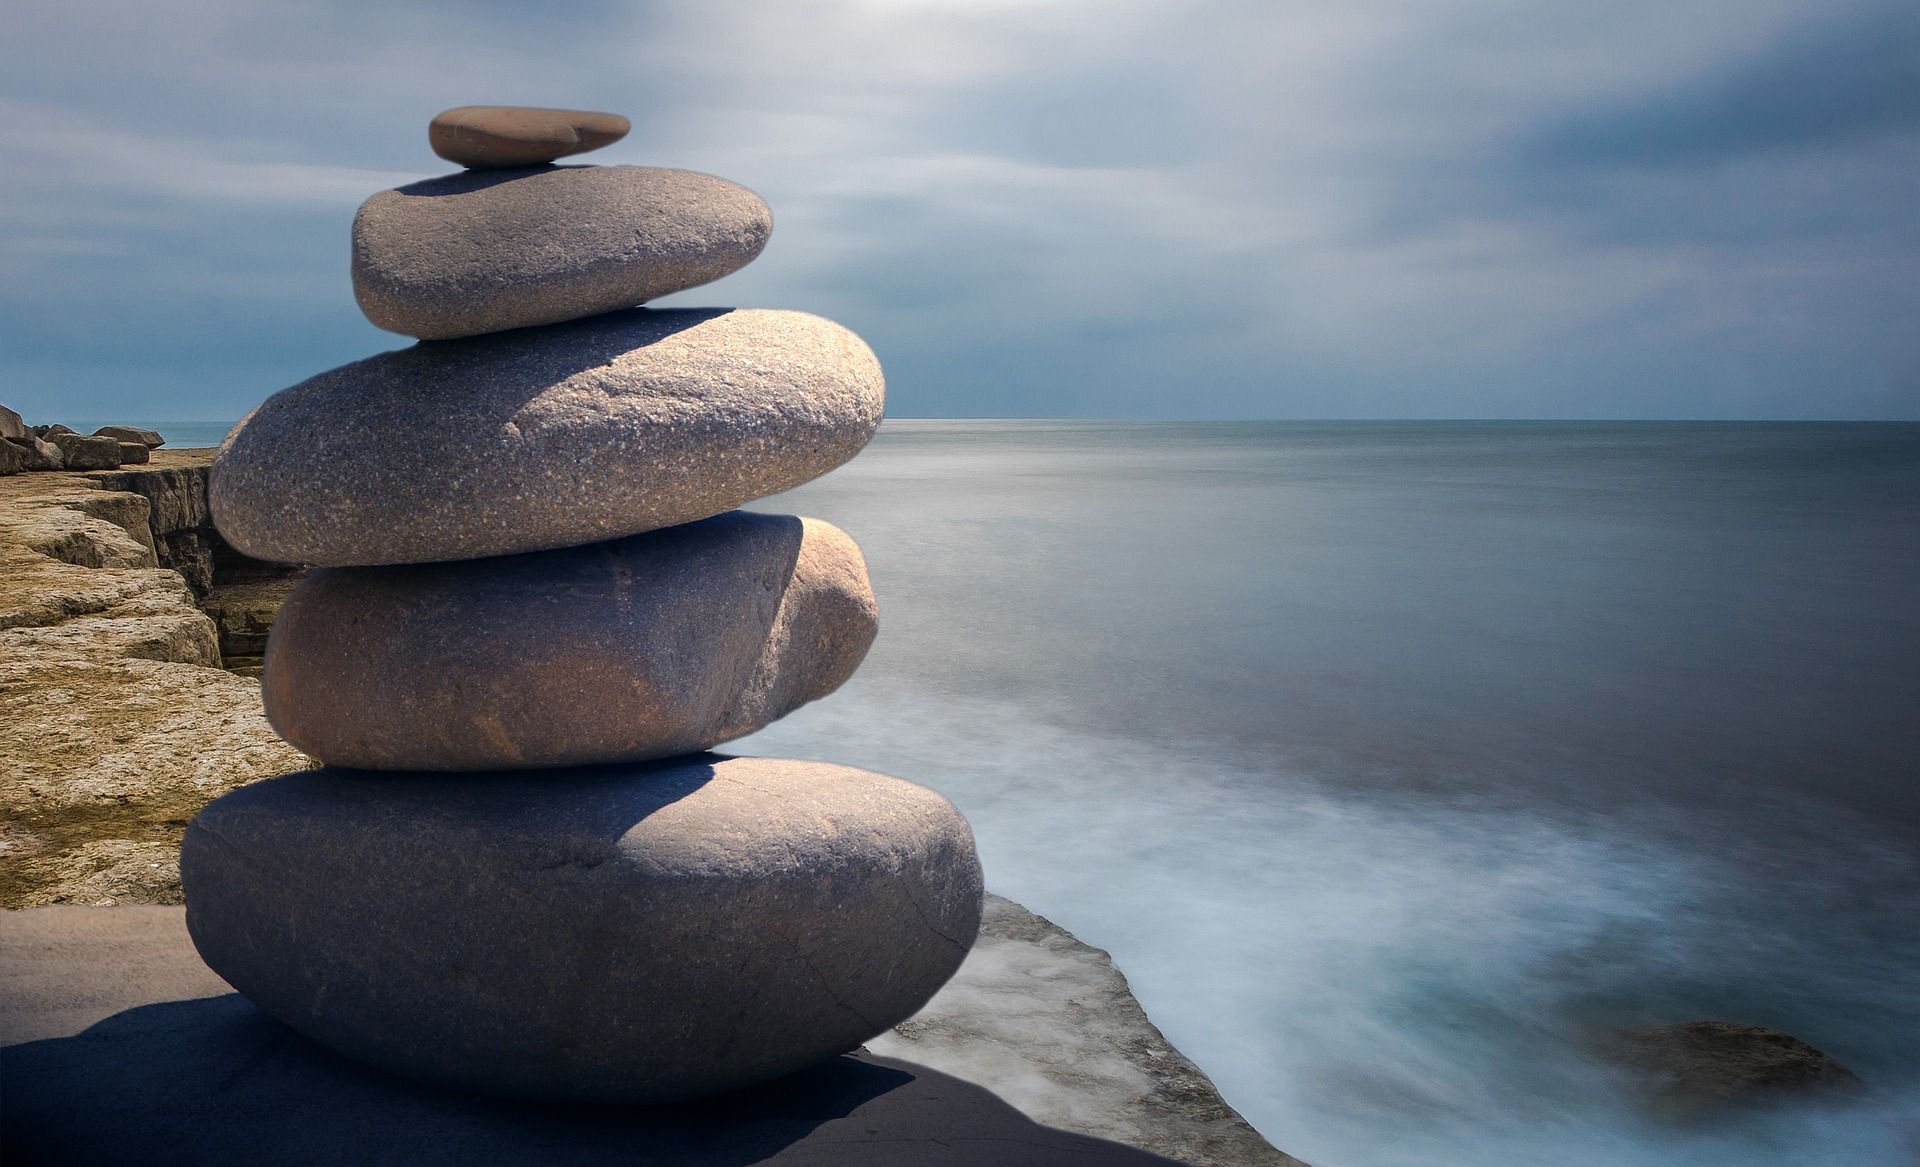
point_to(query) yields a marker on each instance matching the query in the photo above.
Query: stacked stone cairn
(535, 606)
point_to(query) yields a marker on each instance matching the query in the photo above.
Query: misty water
(1392, 761)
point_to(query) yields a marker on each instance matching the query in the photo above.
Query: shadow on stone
(467, 181)
(217, 1081)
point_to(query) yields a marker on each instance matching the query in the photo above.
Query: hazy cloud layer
(1214, 208)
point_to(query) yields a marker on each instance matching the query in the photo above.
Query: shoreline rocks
(486, 251)
(60, 447)
(544, 438)
(660, 644)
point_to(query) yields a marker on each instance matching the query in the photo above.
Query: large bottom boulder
(620, 934)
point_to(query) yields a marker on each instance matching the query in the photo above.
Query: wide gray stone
(646, 647)
(544, 438)
(620, 933)
(151, 439)
(483, 251)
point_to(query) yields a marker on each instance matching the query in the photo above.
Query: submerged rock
(621, 934)
(1699, 1068)
(544, 438)
(646, 647)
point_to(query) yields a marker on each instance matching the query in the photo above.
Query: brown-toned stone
(127, 433)
(647, 647)
(488, 251)
(132, 453)
(86, 453)
(541, 438)
(39, 454)
(485, 136)
(12, 427)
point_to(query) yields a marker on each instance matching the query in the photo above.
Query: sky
(1088, 208)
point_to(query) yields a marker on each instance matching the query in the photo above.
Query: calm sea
(1391, 760)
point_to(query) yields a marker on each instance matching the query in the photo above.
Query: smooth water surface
(1391, 760)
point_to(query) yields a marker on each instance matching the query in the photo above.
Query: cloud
(1817, 88)
(1223, 207)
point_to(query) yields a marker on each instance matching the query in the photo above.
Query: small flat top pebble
(485, 136)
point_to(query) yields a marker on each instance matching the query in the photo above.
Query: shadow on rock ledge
(216, 1081)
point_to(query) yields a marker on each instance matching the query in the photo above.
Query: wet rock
(1700, 1068)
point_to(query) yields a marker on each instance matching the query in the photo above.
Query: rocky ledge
(121, 721)
(119, 605)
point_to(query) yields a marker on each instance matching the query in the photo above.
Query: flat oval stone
(484, 251)
(544, 438)
(646, 647)
(520, 135)
(623, 934)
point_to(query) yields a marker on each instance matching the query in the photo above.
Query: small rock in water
(1697, 1068)
(541, 438)
(646, 647)
(619, 934)
(484, 252)
(485, 136)
(126, 433)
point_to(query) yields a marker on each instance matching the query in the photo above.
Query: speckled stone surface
(645, 647)
(520, 135)
(483, 251)
(619, 933)
(544, 438)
